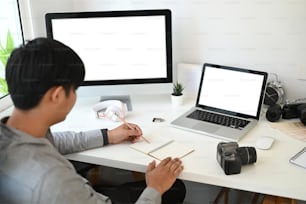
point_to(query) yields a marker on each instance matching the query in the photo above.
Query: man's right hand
(162, 176)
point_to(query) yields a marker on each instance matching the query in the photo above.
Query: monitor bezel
(126, 13)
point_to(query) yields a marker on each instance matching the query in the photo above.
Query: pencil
(145, 139)
(129, 126)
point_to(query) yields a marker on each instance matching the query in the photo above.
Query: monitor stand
(123, 98)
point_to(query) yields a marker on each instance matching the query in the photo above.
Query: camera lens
(302, 110)
(303, 116)
(274, 113)
(247, 155)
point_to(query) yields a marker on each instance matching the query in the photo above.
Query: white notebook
(162, 147)
(300, 158)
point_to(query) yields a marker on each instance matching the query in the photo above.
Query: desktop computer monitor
(124, 52)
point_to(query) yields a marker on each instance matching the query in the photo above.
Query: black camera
(231, 157)
(288, 111)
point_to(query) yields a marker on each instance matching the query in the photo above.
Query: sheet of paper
(155, 143)
(173, 149)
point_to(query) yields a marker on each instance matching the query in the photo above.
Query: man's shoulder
(28, 161)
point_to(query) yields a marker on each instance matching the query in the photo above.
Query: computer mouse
(264, 142)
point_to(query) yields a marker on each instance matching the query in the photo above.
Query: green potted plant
(177, 89)
(177, 94)
(5, 51)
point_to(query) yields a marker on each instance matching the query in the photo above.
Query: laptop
(228, 103)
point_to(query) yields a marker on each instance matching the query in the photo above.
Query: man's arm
(70, 142)
(149, 196)
(60, 184)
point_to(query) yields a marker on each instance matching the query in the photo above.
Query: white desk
(271, 174)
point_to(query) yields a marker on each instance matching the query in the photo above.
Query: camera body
(288, 111)
(231, 157)
(293, 110)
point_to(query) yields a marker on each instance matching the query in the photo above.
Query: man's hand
(124, 132)
(162, 176)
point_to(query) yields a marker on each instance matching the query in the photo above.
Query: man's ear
(56, 93)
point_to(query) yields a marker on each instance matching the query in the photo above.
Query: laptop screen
(232, 90)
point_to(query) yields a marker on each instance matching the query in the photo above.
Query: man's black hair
(39, 65)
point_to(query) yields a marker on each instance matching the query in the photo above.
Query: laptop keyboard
(218, 119)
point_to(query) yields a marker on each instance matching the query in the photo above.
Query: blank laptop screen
(231, 90)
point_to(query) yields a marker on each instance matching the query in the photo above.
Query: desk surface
(271, 174)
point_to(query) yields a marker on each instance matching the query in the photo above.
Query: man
(42, 78)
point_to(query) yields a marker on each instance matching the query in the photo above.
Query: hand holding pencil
(125, 132)
(129, 126)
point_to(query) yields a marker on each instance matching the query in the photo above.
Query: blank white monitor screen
(117, 49)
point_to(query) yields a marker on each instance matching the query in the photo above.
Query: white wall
(267, 35)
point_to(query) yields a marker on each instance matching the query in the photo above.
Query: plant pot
(177, 100)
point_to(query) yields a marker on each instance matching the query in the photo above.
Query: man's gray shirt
(33, 170)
